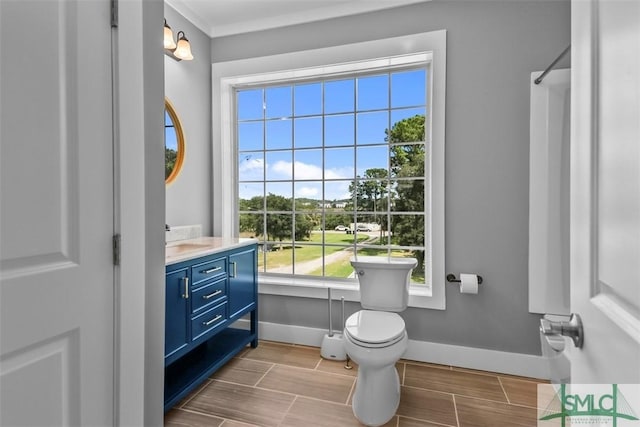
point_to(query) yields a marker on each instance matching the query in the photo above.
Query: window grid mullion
(293, 187)
(265, 235)
(355, 165)
(324, 145)
(389, 163)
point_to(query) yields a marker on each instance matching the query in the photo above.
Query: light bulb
(168, 37)
(183, 49)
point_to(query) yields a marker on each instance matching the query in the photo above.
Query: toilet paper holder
(451, 278)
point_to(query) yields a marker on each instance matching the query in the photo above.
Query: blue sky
(170, 140)
(286, 117)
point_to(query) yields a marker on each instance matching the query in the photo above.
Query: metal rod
(347, 364)
(342, 301)
(550, 67)
(452, 279)
(330, 319)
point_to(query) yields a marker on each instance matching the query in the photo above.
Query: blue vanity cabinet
(242, 279)
(176, 310)
(204, 297)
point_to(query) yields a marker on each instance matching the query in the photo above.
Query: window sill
(419, 296)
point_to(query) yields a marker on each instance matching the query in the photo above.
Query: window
(332, 167)
(173, 143)
(339, 151)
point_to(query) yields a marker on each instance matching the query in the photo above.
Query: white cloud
(310, 192)
(281, 168)
(249, 164)
(339, 173)
(251, 169)
(309, 171)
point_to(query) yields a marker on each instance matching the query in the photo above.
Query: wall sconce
(180, 50)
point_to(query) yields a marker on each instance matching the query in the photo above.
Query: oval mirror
(173, 143)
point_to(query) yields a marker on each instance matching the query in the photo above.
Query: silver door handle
(235, 268)
(215, 319)
(218, 292)
(211, 270)
(185, 281)
(572, 329)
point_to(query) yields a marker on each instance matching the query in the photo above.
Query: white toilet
(375, 337)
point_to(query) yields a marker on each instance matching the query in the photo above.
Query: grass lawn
(340, 268)
(343, 268)
(282, 255)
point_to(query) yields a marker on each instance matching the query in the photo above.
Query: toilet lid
(375, 327)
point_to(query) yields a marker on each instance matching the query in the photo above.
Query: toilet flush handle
(572, 329)
(360, 272)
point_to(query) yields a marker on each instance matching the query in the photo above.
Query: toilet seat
(374, 329)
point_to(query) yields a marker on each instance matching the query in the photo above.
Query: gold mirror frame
(177, 126)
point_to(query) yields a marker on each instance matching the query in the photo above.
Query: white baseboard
(526, 365)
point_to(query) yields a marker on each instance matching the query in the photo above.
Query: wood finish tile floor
(288, 385)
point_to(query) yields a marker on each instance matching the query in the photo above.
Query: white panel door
(605, 189)
(56, 213)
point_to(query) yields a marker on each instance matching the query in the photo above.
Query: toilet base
(377, 395)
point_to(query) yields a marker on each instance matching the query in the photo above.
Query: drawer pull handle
(185, 281)
(211, 270)
(215, 319)
(218, 292)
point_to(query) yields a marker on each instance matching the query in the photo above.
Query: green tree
(406, 161)
(375, 188)
(304, 224)
(369, 191)
(170, 156)
(279, 226)
(249, 221)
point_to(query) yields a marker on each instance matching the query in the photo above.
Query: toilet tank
(384, 281)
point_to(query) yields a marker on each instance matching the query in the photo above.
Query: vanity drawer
(205, 296)
(208, 270)
(208, 321)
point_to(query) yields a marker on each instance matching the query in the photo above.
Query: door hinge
(116, 249)
(114, 13)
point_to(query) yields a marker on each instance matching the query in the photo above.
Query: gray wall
(492, 47)
(188, 87)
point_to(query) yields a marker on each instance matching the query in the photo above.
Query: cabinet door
(176, 311)
(242, 281)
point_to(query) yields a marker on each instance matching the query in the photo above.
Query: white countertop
(183, 250)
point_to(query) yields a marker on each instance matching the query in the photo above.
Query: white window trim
(394, 51)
